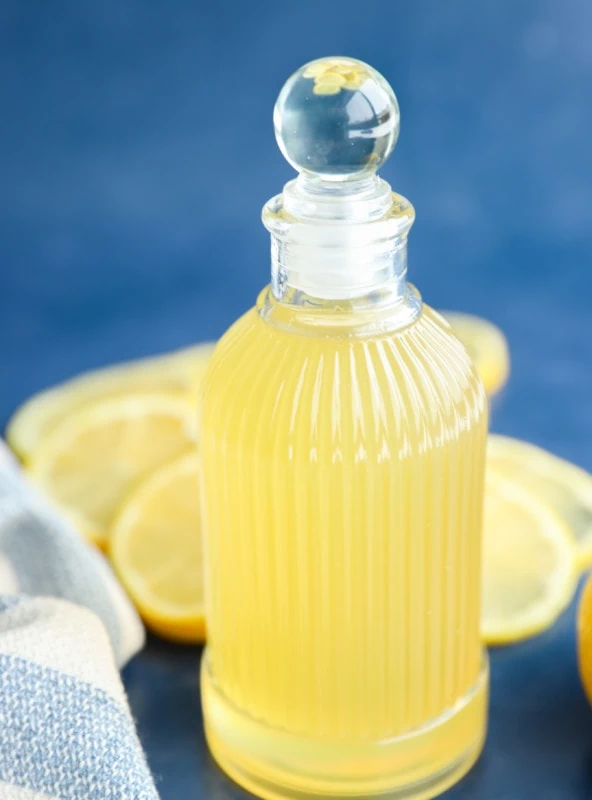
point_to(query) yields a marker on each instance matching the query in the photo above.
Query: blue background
(136, 150)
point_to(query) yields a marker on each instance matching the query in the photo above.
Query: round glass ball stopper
(336, 119)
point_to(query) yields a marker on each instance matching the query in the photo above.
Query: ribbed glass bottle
(343, 442)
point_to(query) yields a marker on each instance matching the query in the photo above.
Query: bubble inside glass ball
(336, 118)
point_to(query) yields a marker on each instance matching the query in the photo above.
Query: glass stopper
(336, 119)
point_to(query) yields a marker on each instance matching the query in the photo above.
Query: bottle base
(276, 765)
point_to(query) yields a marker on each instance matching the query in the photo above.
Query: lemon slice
(529, 573)
(177, 372)
(486, 345)
(564, 486)
(93, 459)
(585, 638)
(156, 549)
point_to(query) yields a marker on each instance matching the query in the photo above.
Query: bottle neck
(344, 269)
(338, 242)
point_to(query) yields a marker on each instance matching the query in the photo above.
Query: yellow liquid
(343, 480)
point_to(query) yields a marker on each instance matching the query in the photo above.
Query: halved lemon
(486, 345)
(92, 460)
(175, 373)
(156, 549)
(562, 485)
(529, 573)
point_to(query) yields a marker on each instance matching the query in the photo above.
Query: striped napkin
(66, 730)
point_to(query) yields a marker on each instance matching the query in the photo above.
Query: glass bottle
(343, 438)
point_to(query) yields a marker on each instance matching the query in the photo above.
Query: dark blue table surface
(136, 150)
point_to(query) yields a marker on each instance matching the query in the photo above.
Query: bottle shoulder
(422, 369)
(251, 334)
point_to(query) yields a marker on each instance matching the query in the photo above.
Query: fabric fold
(66, 625)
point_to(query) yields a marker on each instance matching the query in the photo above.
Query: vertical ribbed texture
(343, 481)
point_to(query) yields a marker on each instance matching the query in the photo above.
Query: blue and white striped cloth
(66, 730)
